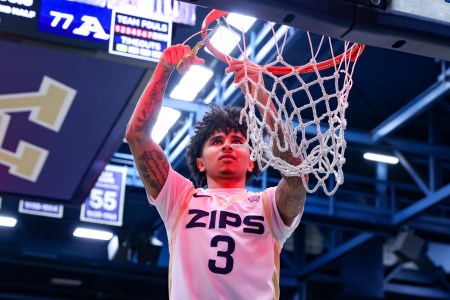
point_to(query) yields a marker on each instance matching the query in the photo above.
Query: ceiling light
(192, 83)
(167, 117)
(181, 93)
(93, 234)
(8, 222)
(224, 40)
(113, 246)
(154, 241)
(240, 22)
(65, 282)
(381, 158)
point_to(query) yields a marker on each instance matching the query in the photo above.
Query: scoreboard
(19, 16)
(139, 30)
(139, 37)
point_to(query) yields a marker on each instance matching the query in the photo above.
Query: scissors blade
(201, 43)
(212, 31)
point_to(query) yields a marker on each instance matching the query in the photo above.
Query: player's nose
(227, 145)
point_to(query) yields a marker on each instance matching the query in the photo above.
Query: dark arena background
(71, 74)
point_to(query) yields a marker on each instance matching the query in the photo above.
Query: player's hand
(245, 69)
(172, 56)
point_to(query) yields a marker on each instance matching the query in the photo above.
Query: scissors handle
(192, 53)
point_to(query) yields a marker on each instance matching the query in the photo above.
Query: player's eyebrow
(216, 136)
(238, 137)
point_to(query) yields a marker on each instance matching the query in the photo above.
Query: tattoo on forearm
(289, 205)
(150, 109)
(154, 168)
(146, 121)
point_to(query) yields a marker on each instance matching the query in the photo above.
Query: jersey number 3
(223, 254)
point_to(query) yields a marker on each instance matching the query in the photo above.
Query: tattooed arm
(151, 162)
(290, 195)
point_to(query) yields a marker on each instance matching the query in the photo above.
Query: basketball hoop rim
(353, 52)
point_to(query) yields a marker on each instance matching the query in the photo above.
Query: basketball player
(224, 241)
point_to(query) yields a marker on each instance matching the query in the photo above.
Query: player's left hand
(248, 76)
(243, 69)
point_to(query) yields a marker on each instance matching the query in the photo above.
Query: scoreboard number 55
(100, 199)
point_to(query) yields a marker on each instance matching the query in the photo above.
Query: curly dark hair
(218, 118)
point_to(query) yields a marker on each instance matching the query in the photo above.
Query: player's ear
(251, 165)
(201, 164)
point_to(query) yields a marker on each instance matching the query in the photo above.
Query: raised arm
(291, 194)
(151, 162)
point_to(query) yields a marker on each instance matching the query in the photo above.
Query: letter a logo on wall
(48, 108)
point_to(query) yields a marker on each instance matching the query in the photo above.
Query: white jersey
(223, 243)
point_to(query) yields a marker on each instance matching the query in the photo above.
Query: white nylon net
(309, 117)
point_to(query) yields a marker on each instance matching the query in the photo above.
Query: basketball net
(310, 102)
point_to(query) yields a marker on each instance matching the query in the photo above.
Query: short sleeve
(172, 196)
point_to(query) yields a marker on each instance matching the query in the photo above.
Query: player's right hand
(173, 55)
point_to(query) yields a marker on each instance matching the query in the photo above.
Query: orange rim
(353, 52)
